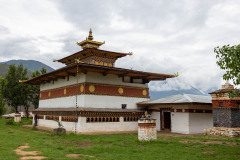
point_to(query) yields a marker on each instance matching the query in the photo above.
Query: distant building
(226, 109)
(226, 112)
(182, 113)
(90, 94)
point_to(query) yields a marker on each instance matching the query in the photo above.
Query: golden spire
(89, 43)
(90, 36)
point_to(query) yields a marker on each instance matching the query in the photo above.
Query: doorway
(165, 119)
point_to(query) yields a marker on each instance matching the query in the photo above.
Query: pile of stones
(221, 131)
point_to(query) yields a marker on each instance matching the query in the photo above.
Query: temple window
(238, 103)
(221, 104)
(124, 106)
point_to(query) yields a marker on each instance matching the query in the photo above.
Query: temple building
(90, 94)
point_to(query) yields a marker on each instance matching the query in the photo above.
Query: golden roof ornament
(89, 43)
(90, 36)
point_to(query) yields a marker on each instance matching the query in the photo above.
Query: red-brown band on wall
(147, 124)
(225, 103)
(96, 89)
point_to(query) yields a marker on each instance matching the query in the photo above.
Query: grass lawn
(115, 146)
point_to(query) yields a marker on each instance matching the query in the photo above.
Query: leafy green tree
(228, 59)
(34, 93)
(15, 93)
(2, 102)
(35, 89)
(43, 70)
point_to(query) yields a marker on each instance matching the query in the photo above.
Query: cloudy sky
(164, 36)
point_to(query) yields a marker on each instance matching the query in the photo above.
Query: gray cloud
(164, 36)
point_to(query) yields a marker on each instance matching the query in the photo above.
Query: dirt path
(28, 154)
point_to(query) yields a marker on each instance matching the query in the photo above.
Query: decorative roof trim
(118, 71)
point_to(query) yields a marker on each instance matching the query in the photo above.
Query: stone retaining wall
(220, 131)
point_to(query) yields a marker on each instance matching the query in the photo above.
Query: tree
(14, 92)
(35, 89)
(2, 103)
(229, 60)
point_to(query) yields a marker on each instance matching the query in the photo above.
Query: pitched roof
(82, 54)
(84, 67)
(179, 99)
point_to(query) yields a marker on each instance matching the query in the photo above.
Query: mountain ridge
(31, 65)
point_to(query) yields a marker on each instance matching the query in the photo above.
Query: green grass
(113, 147)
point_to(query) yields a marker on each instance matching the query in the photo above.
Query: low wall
(84, 126)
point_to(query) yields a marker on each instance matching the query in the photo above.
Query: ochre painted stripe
(96, 89)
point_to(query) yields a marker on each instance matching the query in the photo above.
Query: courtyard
(18, 142)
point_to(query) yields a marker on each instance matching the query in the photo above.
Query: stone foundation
(147, 130)
(221, 131)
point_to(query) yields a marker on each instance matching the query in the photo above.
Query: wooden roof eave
(92, 50)
(101, 69)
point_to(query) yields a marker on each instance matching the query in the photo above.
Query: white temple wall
(180, 122)
(157, 116)
(91, 101)
(200, 121)
(63, 102)
(83, 126)
(47, 123)
(95, 101)
(90, 77)
(69, 126)
(63, 82)
(93, 77)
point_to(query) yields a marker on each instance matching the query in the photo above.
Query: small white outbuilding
(182, 113)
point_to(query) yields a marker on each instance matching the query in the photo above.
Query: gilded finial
(90, 37)
(54, 60)
(89, 43)
(176, 75)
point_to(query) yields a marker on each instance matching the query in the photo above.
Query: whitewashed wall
(91, 101)
(47, 123)
(95, 101)
(83, 126)
(157, 116)
(93, 77)
(106, 126)
(180, 122)
(90, 77)
(200, 121)
(63, 102)
(63, 82)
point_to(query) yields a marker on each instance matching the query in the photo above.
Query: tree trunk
(16, 109)
(26, 110)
